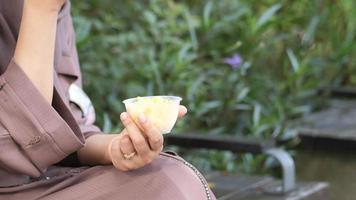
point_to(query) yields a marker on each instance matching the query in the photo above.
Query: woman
(46, 119)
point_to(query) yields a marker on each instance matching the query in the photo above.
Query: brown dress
(38, 138)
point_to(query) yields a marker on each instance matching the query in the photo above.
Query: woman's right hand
(45, 5)
(133, 148)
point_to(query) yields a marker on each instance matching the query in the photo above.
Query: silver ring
(129, 156)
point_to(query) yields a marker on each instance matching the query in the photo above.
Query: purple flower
(234, 61)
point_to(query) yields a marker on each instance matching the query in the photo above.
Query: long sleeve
(43, 135)
(69, 78)
(35, 134)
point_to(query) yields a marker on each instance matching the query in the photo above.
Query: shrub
(289, 50)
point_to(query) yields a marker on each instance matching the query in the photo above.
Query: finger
(182, 111)
(155, 137)
(116, 155)
(126, 145)
(138, 141)
(138, 162)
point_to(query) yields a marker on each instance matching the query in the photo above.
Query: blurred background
(243, 68)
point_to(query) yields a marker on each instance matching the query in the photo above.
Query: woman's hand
(45, 5)
(182, 111)
(134, 148)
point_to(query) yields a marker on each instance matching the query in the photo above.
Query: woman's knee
(185, 176)
(168, 176)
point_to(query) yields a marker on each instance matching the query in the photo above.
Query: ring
(129, 156)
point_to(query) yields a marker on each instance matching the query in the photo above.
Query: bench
(239, 186)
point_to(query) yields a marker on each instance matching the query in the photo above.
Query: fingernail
(142, 118)
(123, 116)
(186, 110)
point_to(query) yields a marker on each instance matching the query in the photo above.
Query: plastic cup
(162, 111)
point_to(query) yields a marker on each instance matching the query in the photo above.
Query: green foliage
(290, 49)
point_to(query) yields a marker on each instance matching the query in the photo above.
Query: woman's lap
(168, 177)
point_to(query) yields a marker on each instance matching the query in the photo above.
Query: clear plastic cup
(162, 111)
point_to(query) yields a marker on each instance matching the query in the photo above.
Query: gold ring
(129, 156)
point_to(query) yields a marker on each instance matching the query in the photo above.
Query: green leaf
(243, 93)
(293, 60)
(208, 106)
(192, 31)
(150, 17)
(256, 115)
(184, 52)
(82, 28)
(310, 33)
(206, 13)
(268, 14)
(195, 86)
